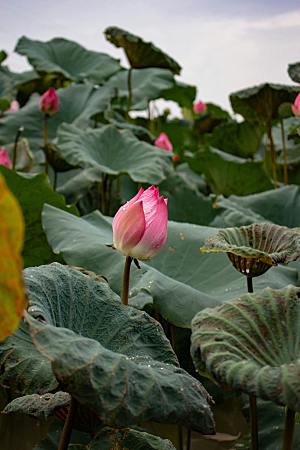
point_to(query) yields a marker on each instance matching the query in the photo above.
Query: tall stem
(18, 135)
(252, 398)
(285, 166)
(46, 141)
(129, 85)
(126, 276)
(272, 148)
(289, 429)
(67, 429)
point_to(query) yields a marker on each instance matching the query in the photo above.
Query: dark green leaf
(294, 71)
(140, 54)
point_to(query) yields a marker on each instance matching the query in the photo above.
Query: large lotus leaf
(140, 54)
(12, 292)
(227, 174)
(281, 206)
(67, 58)
(181, 93)
(33, 193)
(262, 102)
(294, 71)
(238, 138)
(130, 390)
(65, 297)
(146, 85)
(7, 89)
(115, 118)
(113, 152)
(180, 280)
(89, 101)
(185, 202)
(267, 243)
(252, 344)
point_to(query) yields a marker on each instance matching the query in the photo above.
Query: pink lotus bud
(14, 106)
(199, 107)
(164, 142)
(4, 158)
(296, 106)
(140, 226)
(49, 102)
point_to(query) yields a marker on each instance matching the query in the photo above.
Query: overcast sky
(222, 45)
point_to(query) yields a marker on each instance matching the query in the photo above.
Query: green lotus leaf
(7, 89)
(32, 193)
(261, 103)
(255, 248)
(113, 152)
(146, 84)
(294, 71)
(252, 344)
(140, 54)
(3, 56)
(281, 206)
(67, 58)
(153, 390)
(39, 406)
(192, 280)
(238, 138)
(89, 101)
(181, 93)
(227, 174)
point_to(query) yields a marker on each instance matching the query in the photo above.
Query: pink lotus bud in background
(49, 102)
(199, 107)
(164, 142)
(14, 106)
(140, 226)
(4, 158)
(296, 106)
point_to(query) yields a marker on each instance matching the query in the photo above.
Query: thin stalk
(252, 398)
(46, 117)
(188, 440)
(109, 202)
(129, 86)
(103, 194)
(126, 276)
(55, 180)
(67, 429)
(285, 166)
(180, 437)
(272, 148)
(289, 429)
(15, 150)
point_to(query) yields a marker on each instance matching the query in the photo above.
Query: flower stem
(46, 141)
(18, 135)
(126, 276)
(129, 85)
(252, 398)
(289, 429)
(67, 429)
(285, 167)
(273, 157)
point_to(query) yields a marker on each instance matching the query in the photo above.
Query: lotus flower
(199, 107)
(5, 159)
(140, 226)
(49, 102)
(164, 142)
(296, 106)
(14, 106)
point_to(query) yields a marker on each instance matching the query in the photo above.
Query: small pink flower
(140, 226)
(14, 106)
(199, 107)
(296, 106)
(164, 142)
(4, 158)
(49, 102)
(176, 158)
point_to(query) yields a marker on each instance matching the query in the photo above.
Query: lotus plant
(140, 230)
(49, 105)
(199, 107)
(164, 142)
(296, 106)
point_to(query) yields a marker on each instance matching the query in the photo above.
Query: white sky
(223, 46)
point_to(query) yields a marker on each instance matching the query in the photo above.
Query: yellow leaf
(12, 292)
